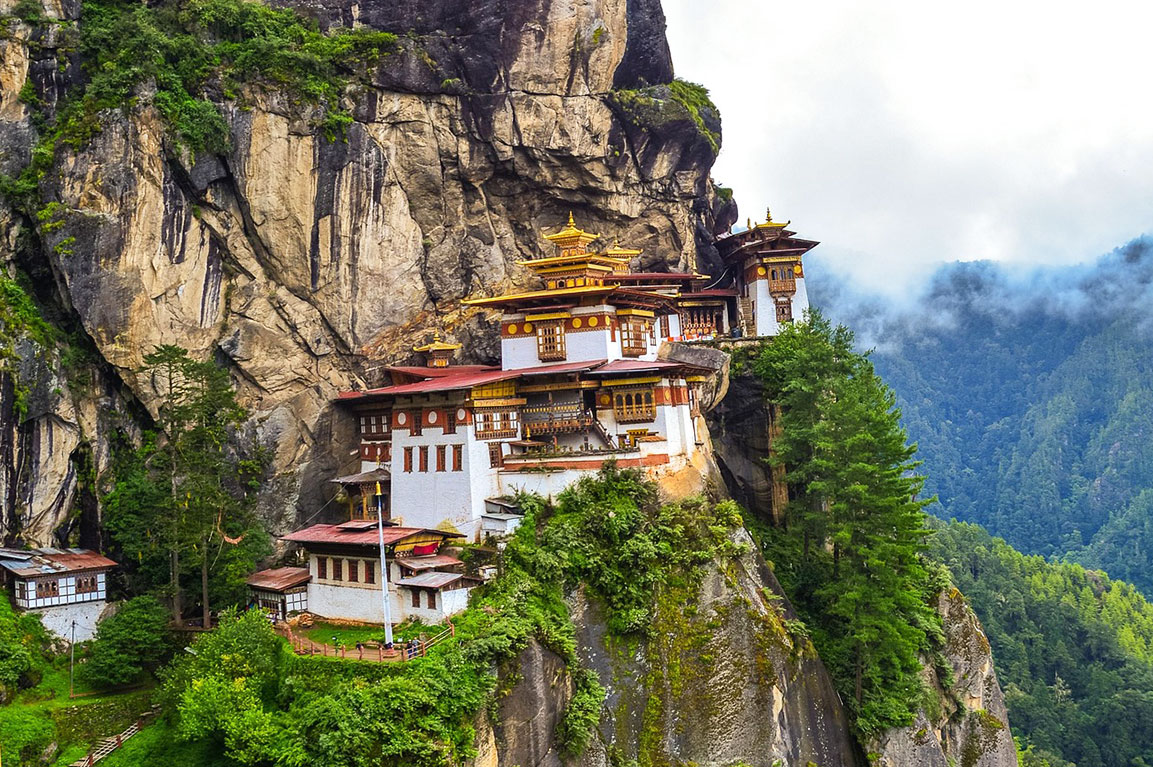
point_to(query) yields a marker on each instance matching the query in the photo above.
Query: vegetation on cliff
(849, 545)
(241, 695)
(1073, 649)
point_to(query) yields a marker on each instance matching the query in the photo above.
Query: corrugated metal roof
(418, 564)
(636, 366)
(334, 534)
(279, 578)
(430, 580)
(47, 561)
(379, 474)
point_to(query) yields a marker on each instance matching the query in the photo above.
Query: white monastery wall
(59, 619)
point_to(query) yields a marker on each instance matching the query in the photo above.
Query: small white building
(67, 588)
(281, 591)
(343, 577)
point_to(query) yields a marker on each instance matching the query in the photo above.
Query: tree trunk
(177, 602)
(204, 584)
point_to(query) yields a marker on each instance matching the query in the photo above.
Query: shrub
(127, 644)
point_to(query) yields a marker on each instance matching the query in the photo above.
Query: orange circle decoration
(593, 321)
(797, 269)
(512, 330)
(761, 271)
(528, 327)
(605, 399)
(576, 323)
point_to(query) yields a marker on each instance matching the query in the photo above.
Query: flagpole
(383, 569)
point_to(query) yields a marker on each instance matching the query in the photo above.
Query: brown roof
(279, 578)
(643, 366)
(368, 537)
(50, 561)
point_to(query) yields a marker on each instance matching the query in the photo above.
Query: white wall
(58, 620)
(800, 301)
(431, 498)
(38, 595)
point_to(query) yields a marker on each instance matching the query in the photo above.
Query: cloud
(907, 134)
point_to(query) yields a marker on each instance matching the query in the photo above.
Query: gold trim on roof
(571, 232)
(586, 290)
(770, 223)
(436, 346)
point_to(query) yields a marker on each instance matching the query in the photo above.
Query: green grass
(158, 746)
(331, 634)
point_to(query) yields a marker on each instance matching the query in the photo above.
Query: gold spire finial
(749, 223)
(571, 221)
(768, 215)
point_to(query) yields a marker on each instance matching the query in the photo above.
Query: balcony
(556, 418)
(782, 286)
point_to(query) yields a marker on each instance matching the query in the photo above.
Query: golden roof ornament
(437, 345)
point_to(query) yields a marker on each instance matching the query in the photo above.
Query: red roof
(560, 367)
(430, 372)
(637, 366)
(334, 534)
(443, 383)
(279, 578)
(50, 561)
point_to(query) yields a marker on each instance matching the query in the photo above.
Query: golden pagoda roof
(571, 235)
(436, 346)
(616, 251)
(770, 223)
(581, 291)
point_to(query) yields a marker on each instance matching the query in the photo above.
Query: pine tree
(860, 580)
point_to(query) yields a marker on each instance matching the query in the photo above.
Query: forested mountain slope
(1031, 399)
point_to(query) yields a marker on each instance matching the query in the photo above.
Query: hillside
(1030, 399)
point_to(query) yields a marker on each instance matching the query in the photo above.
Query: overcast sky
(905, 133)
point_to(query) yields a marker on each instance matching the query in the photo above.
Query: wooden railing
(106, 746)
(371, 651)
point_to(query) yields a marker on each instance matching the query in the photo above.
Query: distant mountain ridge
(1031, 398)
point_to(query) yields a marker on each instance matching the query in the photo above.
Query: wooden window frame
(416, 598)
(634, 337)
(417, 423)
(369, 571)
(422, 453)
(322, 568)
(550, 342)
(634, 405)
(458, 457)
(450, 421)
(495, 455)
(442, 457)
(430, 599)
(354, 571)
(408, 459)
(497, 424)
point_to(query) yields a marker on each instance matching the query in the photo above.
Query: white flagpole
(383, 570)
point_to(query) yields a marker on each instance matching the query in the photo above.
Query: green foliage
(23, 644)
(182, 491)
(849, 547)
(133, 640)
(1073, 649)
(244, 697)
(658, 105)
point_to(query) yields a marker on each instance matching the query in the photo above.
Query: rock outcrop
(293, 259)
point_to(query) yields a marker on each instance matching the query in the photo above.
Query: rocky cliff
(293, 259)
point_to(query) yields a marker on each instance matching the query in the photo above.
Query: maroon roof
(335, 534)
(639, 366)
(279, 578)
(560, 367)
(429, 372)
(656, 277)
(443, 383)
(49, 561)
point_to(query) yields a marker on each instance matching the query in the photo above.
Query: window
(450, 421)
(85, 584)
(322, 568)
(354, 570)
(375, 425)
(441, 453)
(495, 456)
(408, 459)
(430, 599)
(424, 457)
(784, 311)
(496, 424)
(632, 405)
(633, 341)
(417, 423)
(48, 589)
(369, 571)
(337, 569)
(550, 341)
(665, 332)
(21, 591)
(458, 457)
(416, 597)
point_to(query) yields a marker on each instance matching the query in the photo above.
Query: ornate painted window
(495, 455)
(784, 311)
(496, 424)
(634, 340)
(550, 346)
(634, 405)
(375, 425)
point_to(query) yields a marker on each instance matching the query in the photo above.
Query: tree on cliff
(853, 527)
(180, 500)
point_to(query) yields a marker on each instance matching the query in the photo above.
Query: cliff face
(292, 258)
